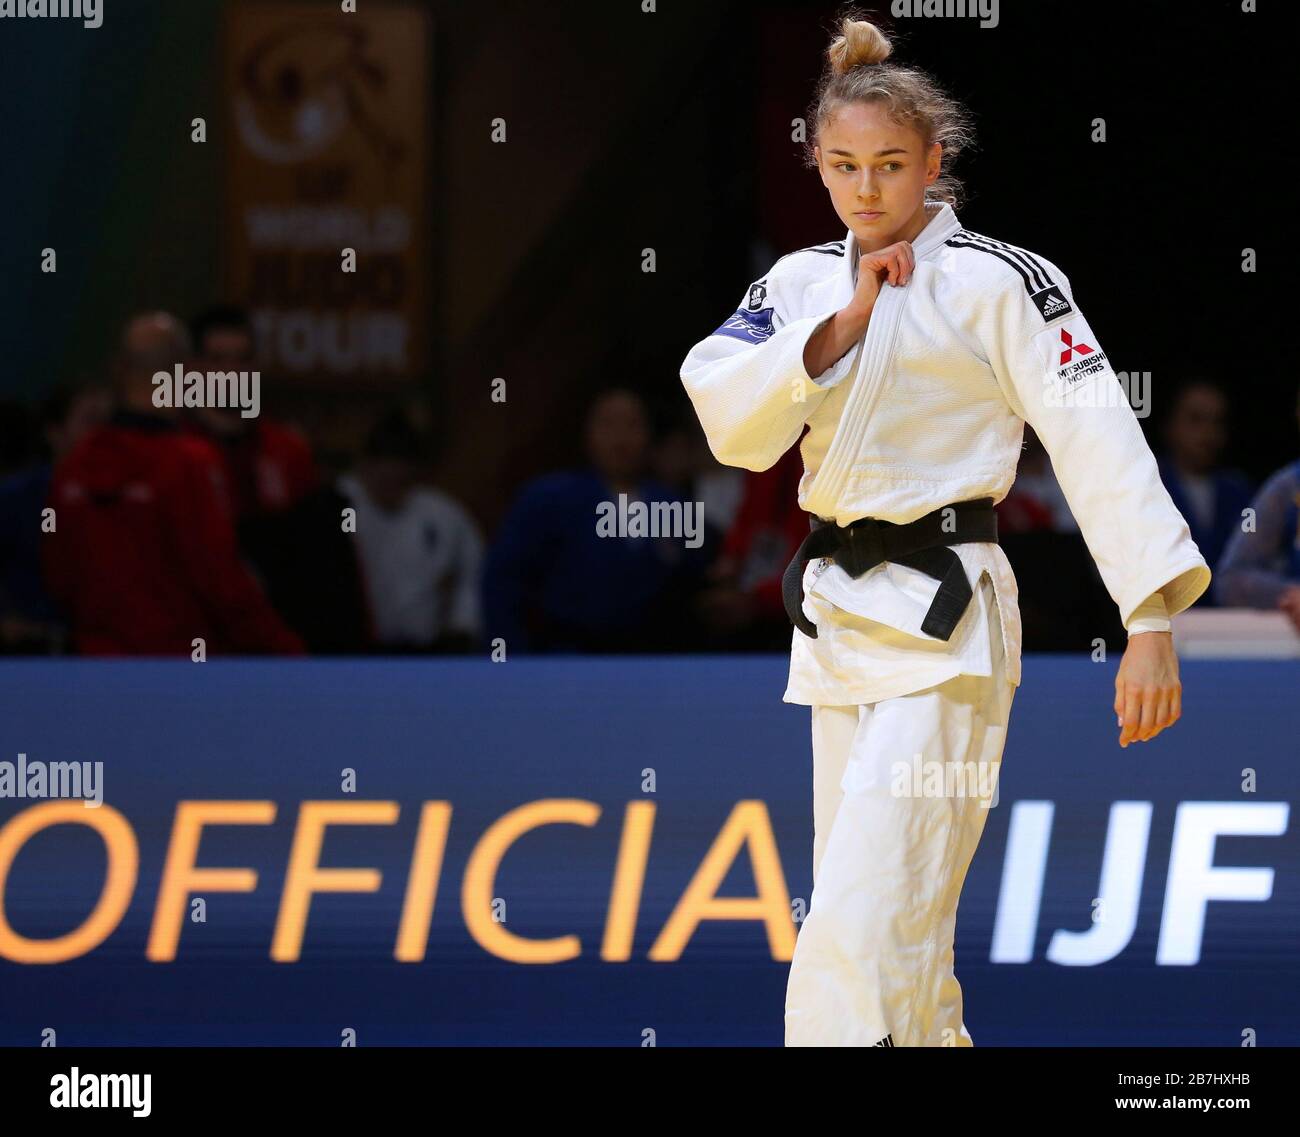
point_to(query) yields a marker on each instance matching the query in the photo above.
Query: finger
(1132, 714)
(905, 265)
(911, 261)
(1146, 727)
(1161, 719)
(1176, 705)
(1165, 709)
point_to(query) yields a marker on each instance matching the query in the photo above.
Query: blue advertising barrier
(603, 851)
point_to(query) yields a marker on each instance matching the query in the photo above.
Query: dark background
(671, 131)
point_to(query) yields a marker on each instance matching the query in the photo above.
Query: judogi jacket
(928, 409)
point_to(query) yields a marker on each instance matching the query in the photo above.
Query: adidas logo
(888, 1040)
(1051, 303)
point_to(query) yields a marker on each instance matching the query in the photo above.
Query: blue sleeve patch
(752, 327)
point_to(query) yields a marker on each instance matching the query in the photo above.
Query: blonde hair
(856, 72)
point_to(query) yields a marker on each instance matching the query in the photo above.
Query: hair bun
(859, 44)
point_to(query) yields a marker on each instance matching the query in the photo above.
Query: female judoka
(912, 352)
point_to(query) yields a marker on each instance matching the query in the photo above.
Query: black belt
(921, 544)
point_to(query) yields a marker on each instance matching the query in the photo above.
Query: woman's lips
(869, 215)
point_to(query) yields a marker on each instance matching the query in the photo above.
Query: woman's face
(876, 172)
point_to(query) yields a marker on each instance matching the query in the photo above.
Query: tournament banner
(327, 186)
(610, 851)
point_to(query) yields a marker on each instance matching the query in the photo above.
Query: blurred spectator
(312, 571)
(143, 559)
(287, 519)
(420, 551)
(1260, 568)
(268, 465)
(743, 607)
(554, 583)
(1036, 502)
(1209, 497)
(682, 461)
(1050, 559)
(29, 620)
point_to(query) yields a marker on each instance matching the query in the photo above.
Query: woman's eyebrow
(878, 153)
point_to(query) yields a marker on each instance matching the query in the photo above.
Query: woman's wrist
(855, 316)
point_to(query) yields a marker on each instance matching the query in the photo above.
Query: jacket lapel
(875, 353)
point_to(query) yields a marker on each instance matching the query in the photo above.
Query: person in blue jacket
(598, 559)
(1210, 496)
(1260, 568)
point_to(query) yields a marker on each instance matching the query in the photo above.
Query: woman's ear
(821, 173)
(933, 162)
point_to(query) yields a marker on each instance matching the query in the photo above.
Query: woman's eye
(844, 166)
(895, 165)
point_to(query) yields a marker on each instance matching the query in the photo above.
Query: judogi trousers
(873, 962)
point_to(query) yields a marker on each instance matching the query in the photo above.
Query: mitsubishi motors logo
(1079, 355)
(1070, 347)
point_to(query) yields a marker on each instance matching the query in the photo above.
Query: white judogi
(926, 410)
(874, 958)
(421, 565)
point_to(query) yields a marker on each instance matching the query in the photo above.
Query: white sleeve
(1150, 616)
(1056, 377)
(748, 382)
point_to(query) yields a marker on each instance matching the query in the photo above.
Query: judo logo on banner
(327, 151)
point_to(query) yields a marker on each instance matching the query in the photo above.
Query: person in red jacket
(142, 554)
(269, 465)
(286, 517)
